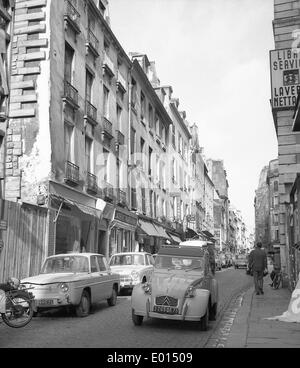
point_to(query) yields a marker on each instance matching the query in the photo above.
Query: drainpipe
(129, 147)
(9, 68)
(129, 138)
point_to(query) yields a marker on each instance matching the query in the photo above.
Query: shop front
(122, 231)
(74, 225)
(150, 236)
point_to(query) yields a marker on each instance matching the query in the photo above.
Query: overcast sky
(215, 54)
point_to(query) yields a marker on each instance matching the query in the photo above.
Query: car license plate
(165, 310)
(46, 302)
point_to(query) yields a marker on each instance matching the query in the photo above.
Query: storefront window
(68, 232)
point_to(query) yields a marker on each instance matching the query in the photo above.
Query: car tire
(83, 309)
(112, 301)
(213, 312)
(137, 320)
(204, 321)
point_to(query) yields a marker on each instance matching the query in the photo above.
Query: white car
(74, 280)
(134, 268)
(182, 288)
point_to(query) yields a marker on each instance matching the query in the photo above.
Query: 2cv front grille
(166, 301)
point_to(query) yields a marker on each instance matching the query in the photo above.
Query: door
(97, 286)
(107, 283)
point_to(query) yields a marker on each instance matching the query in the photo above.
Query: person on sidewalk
(258, 263)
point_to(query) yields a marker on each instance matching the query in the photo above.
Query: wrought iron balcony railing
(121, 83)
(72, 16)
(108, 191)
(93, 43)
(121, 138)
(90, 112)
(122, 198)
(92, 185)
(108, 65)
(71, 94)
(72, 173)
(107, 128)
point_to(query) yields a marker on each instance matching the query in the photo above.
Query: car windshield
(128, 260)
(178, 263)
(66, 264)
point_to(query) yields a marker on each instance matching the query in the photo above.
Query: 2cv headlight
(147, 288)
(191, 292)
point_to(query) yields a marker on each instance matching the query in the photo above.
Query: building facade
(273, 189)
(285, 89)
(218, 175)
(262, 210)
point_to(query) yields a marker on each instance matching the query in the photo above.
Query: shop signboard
(285, 78)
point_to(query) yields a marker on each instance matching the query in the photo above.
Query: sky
(215, 54)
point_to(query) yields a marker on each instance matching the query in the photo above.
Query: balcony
(120, 138)
(92, 43)
(121, 83)
(72, 17)
(108, 66)
(92, 185)
(108, 192)
(122, 198)
(72, 174)
(90, 113)
(107, 130)
(70, 95)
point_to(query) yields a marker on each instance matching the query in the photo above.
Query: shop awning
(148, 228)
(90, 211)
(161, 231)
(175, 238)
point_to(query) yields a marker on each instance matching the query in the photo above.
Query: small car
(182, 288)
(74, 280)
(241, 261)
(134, 268)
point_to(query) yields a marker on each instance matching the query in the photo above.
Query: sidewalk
(251, 330)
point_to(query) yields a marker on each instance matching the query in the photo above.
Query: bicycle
(277, 280)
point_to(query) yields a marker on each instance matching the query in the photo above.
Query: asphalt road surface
(113, 328)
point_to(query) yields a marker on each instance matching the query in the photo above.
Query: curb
(239, 331)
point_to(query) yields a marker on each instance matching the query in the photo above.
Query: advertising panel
(285, 78)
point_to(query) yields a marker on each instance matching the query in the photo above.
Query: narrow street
(113, 328)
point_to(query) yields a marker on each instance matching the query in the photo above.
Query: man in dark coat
(258, 263)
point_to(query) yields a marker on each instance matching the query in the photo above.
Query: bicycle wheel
(277, 281)
(19, 311)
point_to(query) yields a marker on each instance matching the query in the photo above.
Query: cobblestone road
(113, 328)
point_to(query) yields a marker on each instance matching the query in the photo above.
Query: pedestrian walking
(258, 264)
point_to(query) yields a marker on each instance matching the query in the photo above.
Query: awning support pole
(58, 213)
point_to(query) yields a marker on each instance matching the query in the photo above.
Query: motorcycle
(17, 304)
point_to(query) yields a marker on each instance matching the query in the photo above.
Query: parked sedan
(74, 280)
(134, 268)
(182, 288)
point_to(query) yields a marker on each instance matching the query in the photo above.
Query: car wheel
(204, 321)
(83, 309)
(137, 320)
(213, 312)
(112, 301)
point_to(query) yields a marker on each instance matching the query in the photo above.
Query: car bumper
(52, 301)
(128, 284)
(174, 317)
